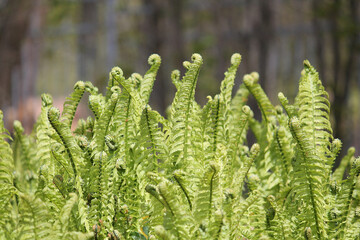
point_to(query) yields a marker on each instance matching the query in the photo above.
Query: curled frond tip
(54, 113)
(116, 89)
(255, 149)
(116, 72)
(46, 100)
(248, 79)
(295, 123)
(18, 126)
(154, 59)
(246, 109)
(186, 64)
(196, 57)
(79, 85)
(255, 75)
(307, 64)
(235, 59)
(175, 75)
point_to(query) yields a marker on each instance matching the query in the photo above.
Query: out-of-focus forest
(48, 45)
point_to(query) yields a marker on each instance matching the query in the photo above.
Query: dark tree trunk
(111, 34)
(176, 11)
(20, 43)
(319, 39)
(153, 42)
(220, 25)
(265, 30)
(337, 85)
(14, 15)
(87, 40)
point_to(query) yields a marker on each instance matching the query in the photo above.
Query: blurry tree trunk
(352, 62)
(344, 62)
(220, 24)
(337, 85)
(20, 42)
(319, 38)
(14, 15)
(176, 11)
(153, 42)
(111, 34)
(87, 40)
(30, 56)
(343, 84)
(264, 29)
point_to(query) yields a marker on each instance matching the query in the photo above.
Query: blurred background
(48, 45)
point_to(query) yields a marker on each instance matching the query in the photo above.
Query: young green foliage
(130, 173)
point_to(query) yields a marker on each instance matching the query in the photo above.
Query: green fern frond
(344, 163)
(314, 112)
(102, 125)
(33, 218)
(285, 151)
(180, 179)
(238, 135)
(238, 101)
(281, 227)
(181, 112)
(136, 104)
(147, 83)
(96, 187)
(63, 131)
(7, 189)
(96, 103)
(228, 82)
(43, 130)
(290, 109)
(175, 77)
(251, 82)
(236, 231)
(66, 211)
(308, 180)
(176, 214)
(216, 225)
(163, 234)
(204, 199)
(343, 212)
(151, 140)
(71, 103)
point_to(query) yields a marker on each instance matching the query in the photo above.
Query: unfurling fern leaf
(251, 82)
(180, 114)
(72, 102)
(147, 83)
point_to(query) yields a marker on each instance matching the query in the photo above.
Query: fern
(72, 102)
(130, 173)
(180, 113)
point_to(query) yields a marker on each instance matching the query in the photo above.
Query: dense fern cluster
(130, 173)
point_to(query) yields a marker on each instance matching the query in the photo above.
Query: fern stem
(178, 181)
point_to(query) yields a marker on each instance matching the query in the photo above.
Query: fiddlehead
(72, 102)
